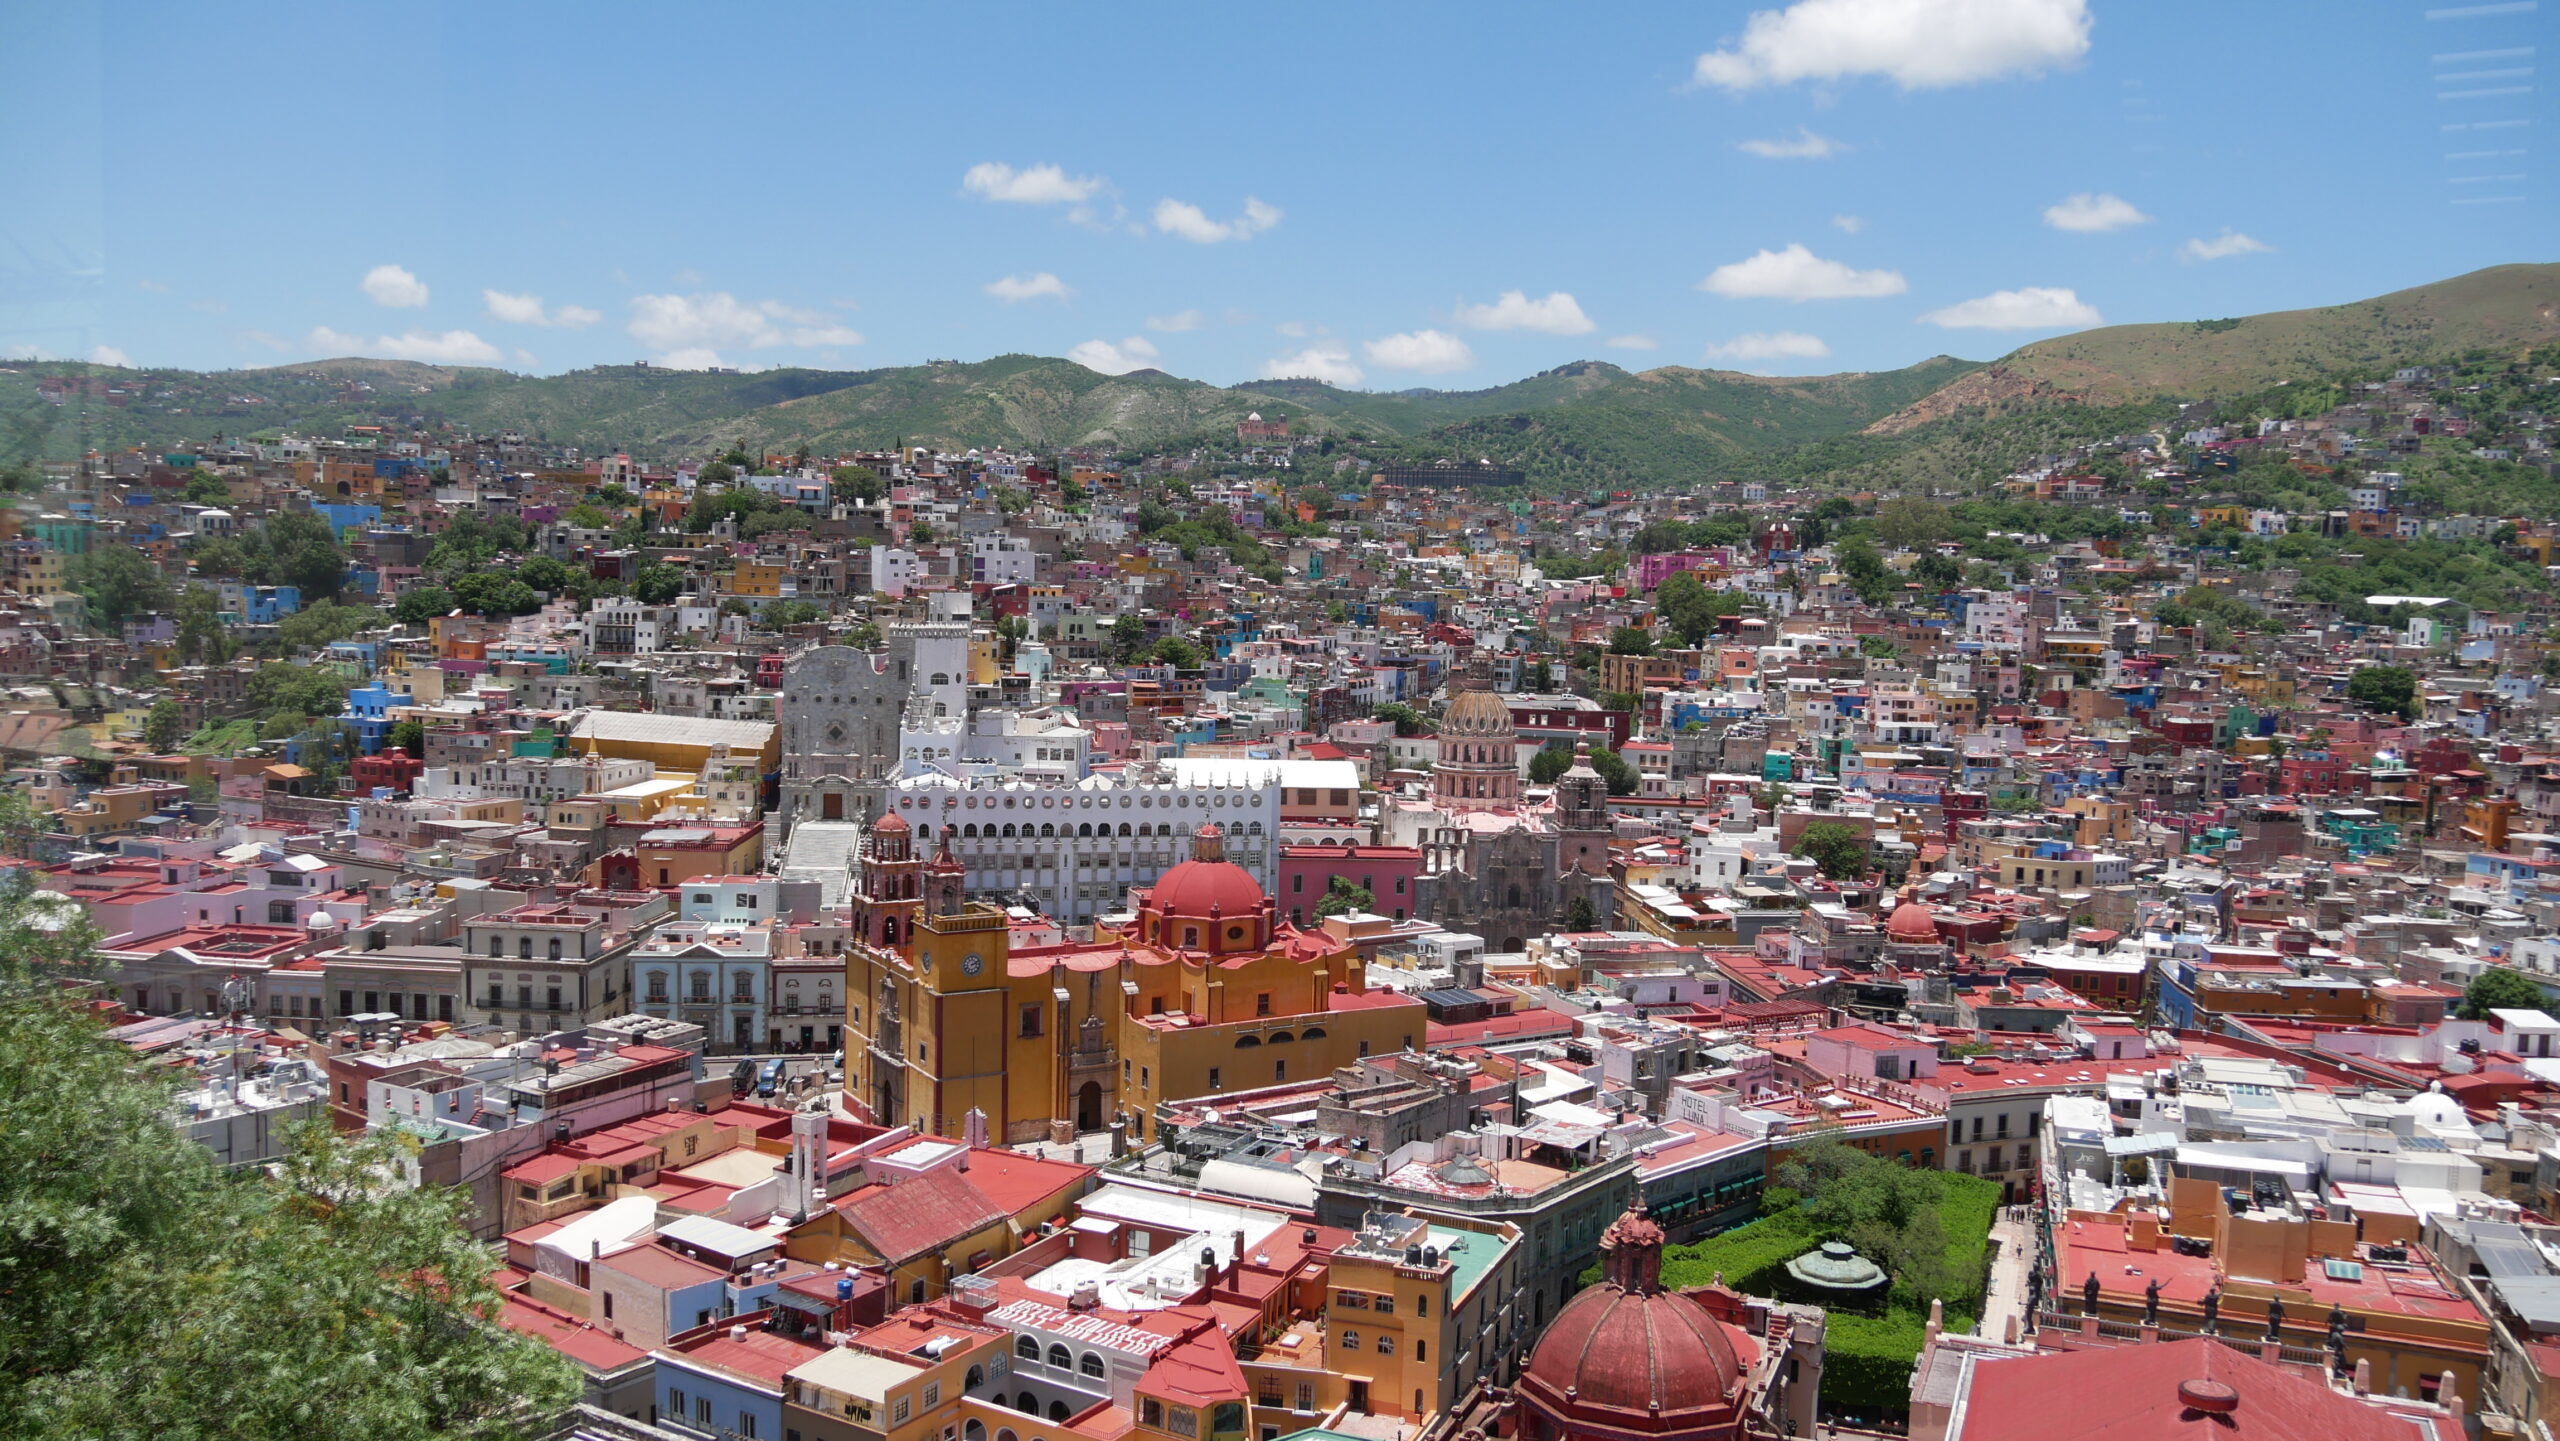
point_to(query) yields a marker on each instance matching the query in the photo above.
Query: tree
(1541, 677)
(327, 623)
(1630, 640)
(1128, 636)
(407, 735)
(201, 638)
(494, 593)
(865, 636)
(421, 603)
(791, 612)
(2498, 988)
(1549, 764)
(1907, 523)
(119, 583)
(1691, 609)
(303, 552)
(1840, 850)
(164, 726)
(856, 484)
(145, 1291)
(1343, 895)
(1878, 647)
(1621, 777)
(1177, 652)
(657, 584)
(2391, 688)
(206, 488)
(295, 693)
(1408, 721)
(1579, 915)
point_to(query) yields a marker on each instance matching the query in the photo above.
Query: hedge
(1866, 1360)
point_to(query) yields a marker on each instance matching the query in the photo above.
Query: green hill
(1587, 420)
(2506, 307)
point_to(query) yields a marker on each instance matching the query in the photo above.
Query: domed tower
(1627, 1358)
(1479, 764)
(1207, 903)
(946, 881)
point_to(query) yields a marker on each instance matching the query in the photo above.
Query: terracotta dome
(1912, 923)
(1203, 888)
(1627, 1356)
(1477, 713)
(1658, 1358)
(1208, 885)
(891, 824)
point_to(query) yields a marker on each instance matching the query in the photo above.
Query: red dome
(892, 823)
(1194, 888)
(1649, 1361)
(1914, 923)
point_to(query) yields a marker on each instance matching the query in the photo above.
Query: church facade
(1493, 863)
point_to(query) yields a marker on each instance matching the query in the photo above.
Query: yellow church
(1205, 991)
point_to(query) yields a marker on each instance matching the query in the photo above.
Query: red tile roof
(2135, 1393)
(919, 1215)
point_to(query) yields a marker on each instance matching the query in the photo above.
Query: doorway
(1089, 1107)
(831, 806)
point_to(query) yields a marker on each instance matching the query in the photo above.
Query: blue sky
(1355, 193)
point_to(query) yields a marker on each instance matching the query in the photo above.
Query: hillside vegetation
(1587, 425)
(2504, 308)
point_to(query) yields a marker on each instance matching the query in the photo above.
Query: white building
(1074, 848)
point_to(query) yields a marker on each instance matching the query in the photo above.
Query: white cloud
(2033, 307)
(1850, 223)
(391, 286)
(529, 310)
(109, 355)
(1036, 185)
(1430, 351)
(210, 306)
(1013, 289)
(1770, 345)
(1180, 217)
(266, 338)
(2223, 247)
(449, 347)
(524, 357)
(1632, 342)
(1179, 321)
(1558, 314)
(1294, 329)
(1917, 44)
(1796, 273)
(2088, 214)
(691, 357)
(706, 319)
(1804, 145)
(1134, 352)
(156, 287)
(1326, 361)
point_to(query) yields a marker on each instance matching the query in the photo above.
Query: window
(1060, 1359)
(1091, 1365)
(1030, 1021)
(1386, 1345)
(279, 913)
(1262, 1003)
(1213, 1079)
(1386, 1305)
(1150, 1411)
(1350, 1340)
(1306, 1400)
(1422, 1305)
(1183, 1422)
(702, 1411)
(747, 1424)
(932, 1394)
(1421, 1350)
(1027, 1347)
(675, 1402)
(524, 948)
(898, 1412)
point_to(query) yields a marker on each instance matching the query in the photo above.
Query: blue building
(368, 713)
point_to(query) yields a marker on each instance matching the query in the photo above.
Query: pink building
(1306, 872)
(1653, 570)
